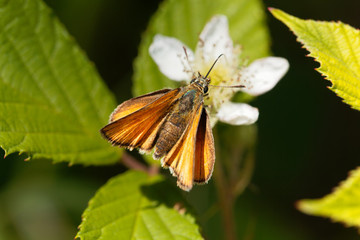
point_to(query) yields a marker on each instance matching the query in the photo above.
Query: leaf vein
(349, 45)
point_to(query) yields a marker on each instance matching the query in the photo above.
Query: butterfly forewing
(181, 158)
(135, 104)
(204, 150)
(139, 128)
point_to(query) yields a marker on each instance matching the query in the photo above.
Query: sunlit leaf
(136, 206)
(336, 46)
(52, 100)
(342, 205)
(185, 19)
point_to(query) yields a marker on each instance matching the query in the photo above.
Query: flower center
(221, 75)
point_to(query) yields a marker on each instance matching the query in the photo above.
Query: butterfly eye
(206, 89)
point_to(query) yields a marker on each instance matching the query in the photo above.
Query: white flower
(259, 77)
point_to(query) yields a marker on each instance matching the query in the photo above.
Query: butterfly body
(174, 123)
(177, 120)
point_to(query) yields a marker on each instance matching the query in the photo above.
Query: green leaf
(336, 46)
(136, 206)
(342, 205)
(185, 20)
(52, 100)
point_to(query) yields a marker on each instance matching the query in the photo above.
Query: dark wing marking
(204, 150)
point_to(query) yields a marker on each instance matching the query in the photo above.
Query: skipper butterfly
(173, 122)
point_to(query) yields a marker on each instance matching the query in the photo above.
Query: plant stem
(225, 195)
(226, 201)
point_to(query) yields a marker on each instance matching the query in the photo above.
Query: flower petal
(169, 55)
(237, 113)
(215, 39)
(263, 74)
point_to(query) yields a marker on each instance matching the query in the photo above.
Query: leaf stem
(130, 162)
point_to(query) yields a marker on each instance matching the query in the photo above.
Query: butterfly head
(201, 82)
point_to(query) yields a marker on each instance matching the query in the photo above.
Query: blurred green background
(307, 138)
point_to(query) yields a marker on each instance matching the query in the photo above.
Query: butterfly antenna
(213, 65)
(187, 58)
(234, 86)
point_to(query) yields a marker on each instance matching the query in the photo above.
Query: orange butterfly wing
(135, 104)
(181, 158)
(137, 121)
(204, 150)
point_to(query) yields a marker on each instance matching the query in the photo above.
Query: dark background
(307, 138)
